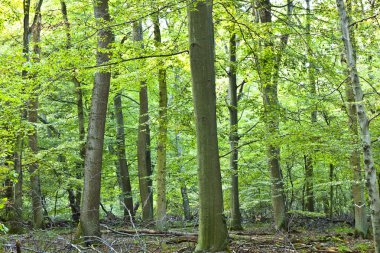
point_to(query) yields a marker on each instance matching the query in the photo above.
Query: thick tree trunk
(143, 149)
(371, 177)
(271, 118)
(37, 205)
(234, 138)
(123, 170)
(361, 224)
(360, 207)
(162, 138)
(212, 235)
(89, 218)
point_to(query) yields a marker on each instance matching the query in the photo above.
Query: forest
(189, 126)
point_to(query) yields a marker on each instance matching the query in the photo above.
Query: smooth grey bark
(212, 234)
(269, 72)
(161, 219)
(359, 201)
(122, 163)
(89, 218)
(185, 197)
(143, 146)
(37, 205)
(370, 170)
(234, 138)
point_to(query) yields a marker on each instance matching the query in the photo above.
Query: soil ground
(305, 235)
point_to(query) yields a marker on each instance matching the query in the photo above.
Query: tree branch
(364, 19)
(136, 58)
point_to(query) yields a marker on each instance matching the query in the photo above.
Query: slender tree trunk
(309, 194)
(234, 138)
(371, 177)
(123, 171)
(212, 235)
(75, 196)
(331, 195)
(37, 205)
(143, 146)
(185, 197)
(271, 117)
(309, 168)
(162, 137)
(89, 218)
(16, 212)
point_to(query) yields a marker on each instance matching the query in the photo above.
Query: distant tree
(143, 145)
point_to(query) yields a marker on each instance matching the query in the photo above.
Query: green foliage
(328, 141)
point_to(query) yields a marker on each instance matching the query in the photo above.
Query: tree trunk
(309, 194)
(143, 149)
(37, 205)
(309, 168)
(15, 221)
(185, 197)
(371, 177)
(212, 235)
(89, 218)
(360, 210)
(234, 138)
(331, 195)
(75, 196)
(161, 222)
(271, 119)
(123, 171)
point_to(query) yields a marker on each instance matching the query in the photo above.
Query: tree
(122, 163)
(268, 73)
(143, 145)
(370, 170)
(162, 136)
(212, 235)
(35, 29)
(234, 138)
(89, 218)
(311, 75)
(75, 196)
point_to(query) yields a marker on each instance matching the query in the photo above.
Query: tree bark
(15, 220)
(271, 118)
(161, 222)
(143, 150)
(37, 205)
(185, 197)
(370, 170)
(89, 218)
(75, 196)
(212, 235)
(234, 138)
(123, 170)
(360, 209)
(309, 168)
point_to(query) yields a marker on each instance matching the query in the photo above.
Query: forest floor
(306, 235)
